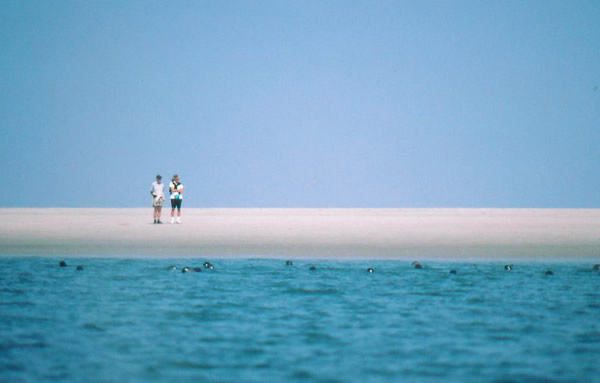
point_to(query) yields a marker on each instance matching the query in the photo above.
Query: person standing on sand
(157, 190)
(176, 190)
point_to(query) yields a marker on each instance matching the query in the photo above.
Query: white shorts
(157, 201)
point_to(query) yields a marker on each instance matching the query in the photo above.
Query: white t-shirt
(177, 194)
(158, 189)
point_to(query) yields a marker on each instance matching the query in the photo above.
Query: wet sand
(381, 233)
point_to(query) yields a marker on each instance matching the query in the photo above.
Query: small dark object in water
(197, 269)
(289, 263)
(414, 263)
(62, 264)
(596, 267)
(370, 270)
(418, 266)
(172, 267)
(508, 267)
(312, 268)
(79, 268)
(185, 270)
(208, 265)
(452, 271)
(549, 272)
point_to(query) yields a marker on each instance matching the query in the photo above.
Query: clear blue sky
(301, 103)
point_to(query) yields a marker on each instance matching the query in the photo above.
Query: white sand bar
(384, 233)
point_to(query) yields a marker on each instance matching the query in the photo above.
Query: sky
(301, 103)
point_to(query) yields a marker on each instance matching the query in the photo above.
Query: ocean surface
(258, 320)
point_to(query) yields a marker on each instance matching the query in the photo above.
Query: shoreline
(378, 233)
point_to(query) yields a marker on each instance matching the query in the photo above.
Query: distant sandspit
(377, 233)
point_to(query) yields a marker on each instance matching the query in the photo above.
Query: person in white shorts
(176, 189)
(158, 196)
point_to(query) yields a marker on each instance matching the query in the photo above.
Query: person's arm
(152, 191)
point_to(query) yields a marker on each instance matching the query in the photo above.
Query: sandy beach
(384, 233)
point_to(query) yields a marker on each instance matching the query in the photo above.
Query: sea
(260, 320)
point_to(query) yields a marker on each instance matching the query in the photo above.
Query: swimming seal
(62, 264)
(289, 263)
(418, 266)
(369, 270)
(312, 268)
(596, 267)
(208, 265)
(549, 272)
(508, 267)
(452, 271)
(185, 270)
(79, 268)
(172, 267)
(414, 263)
(197, 269)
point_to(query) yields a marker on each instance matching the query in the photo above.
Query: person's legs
(158, 213)
(173, 204)
(178, 211)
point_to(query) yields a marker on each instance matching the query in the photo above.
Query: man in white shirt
(158, 196)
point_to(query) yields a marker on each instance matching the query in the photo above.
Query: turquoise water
(257, 320)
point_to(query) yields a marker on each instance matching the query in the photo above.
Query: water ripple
(257, 320)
